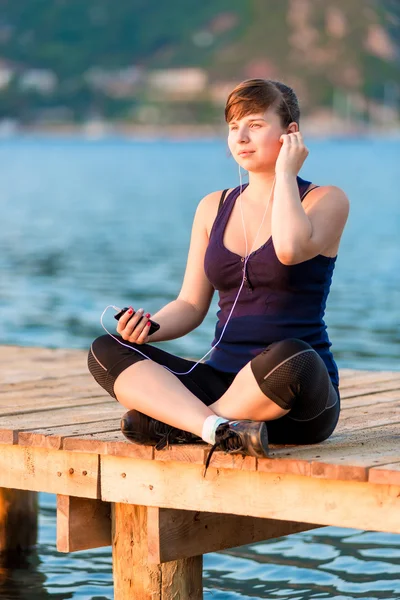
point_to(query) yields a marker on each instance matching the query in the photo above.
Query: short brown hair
(257, 95)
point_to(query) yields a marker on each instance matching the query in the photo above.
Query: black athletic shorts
(295, 378)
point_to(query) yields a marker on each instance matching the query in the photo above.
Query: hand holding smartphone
(153, 328)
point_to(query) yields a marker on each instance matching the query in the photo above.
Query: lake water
(91, 223)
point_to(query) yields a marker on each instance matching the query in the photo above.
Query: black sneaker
(241, 437)
(141, 429)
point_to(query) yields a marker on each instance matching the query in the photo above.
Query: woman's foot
(141, 429)
(235, 437)
(241, 437)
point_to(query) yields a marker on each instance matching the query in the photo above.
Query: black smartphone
(153, 327)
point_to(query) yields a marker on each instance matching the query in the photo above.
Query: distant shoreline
(103, 130)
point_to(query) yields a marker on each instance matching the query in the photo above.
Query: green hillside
(320, 46)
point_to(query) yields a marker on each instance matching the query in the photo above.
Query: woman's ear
(293, 127)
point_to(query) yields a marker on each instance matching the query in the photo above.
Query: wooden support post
(82, 523)
(134, 577)
(18, 522)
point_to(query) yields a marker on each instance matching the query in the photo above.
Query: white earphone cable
(236, 299)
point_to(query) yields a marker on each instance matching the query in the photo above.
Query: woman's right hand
(134, 328)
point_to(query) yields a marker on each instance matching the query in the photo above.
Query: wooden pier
(59, 433)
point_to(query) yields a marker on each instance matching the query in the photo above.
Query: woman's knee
(107, 358)
(97, 362)
(101, 350)
(288, 368)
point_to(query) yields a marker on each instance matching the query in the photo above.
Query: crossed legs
(149, 388)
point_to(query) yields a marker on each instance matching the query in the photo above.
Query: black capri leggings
(289, 372)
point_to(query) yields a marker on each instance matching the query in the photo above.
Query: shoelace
(166, 432)
(228, 441)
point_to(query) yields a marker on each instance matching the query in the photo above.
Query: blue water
(90, 223)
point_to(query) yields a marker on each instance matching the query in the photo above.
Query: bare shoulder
(327, 195)
(208, 207)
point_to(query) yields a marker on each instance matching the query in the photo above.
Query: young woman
(272, 374)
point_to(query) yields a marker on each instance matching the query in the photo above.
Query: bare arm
(301, 234)
(176, 319)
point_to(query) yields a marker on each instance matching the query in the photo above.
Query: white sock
(209, 427)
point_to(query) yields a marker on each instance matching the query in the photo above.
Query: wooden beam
(174, 534)
(51, 471)
(134, 577)
(18, 522)
(287, 497)
(82, 523)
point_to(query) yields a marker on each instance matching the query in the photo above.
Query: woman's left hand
(292, 154)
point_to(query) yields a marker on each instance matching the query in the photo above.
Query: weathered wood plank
(49, 403)
(192, 453)
(33, 354)
(370, 400)
(60, 417)
(286, 497)
(61, 381)
(54, 437)
(345, 456)
(35, 372)
(386, 474)
(384, 413)
(82, 523)
(52, 471)
(111, 442)
(362, 389)
(351, 380)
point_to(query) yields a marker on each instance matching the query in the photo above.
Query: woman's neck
(259, 189)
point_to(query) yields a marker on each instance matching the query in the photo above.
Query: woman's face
(254, 140)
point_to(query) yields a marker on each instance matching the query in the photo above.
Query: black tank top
(276, 302)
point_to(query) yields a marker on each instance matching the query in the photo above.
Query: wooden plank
(369, 388)
(82, 523)
(365, 377)
(370, 400)
(52, 471)
(345, 456)
(351, 449)
(197, 453)
(23, 393)
(60, 417)
(39, 371)
(386, 474)
(111, 442)
(134, 577)
(61, 381)
(175, 534)
(284, 497)
(384, 413)
(63, 416)
(193, 453)
(26, 356)
(49, 403)
(54, 437)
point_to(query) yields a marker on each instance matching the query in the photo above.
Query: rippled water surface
(86, 224)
